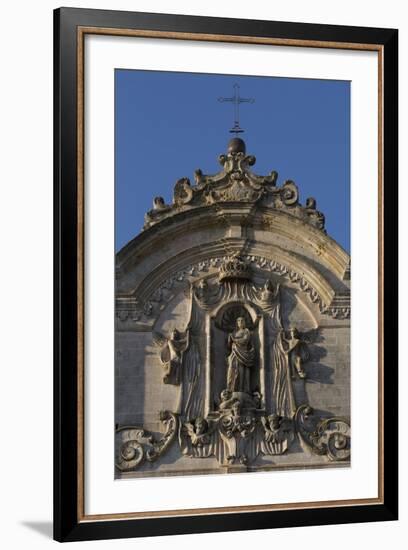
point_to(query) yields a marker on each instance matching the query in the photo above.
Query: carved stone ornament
(232, 316)
(329, 436)
(137, 311)
(136, 445)
(236, 183)
(239, 403)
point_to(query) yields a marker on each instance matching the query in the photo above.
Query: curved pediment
(182, 247)
(243, 221)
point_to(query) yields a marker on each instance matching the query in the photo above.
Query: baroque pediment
(235, 183)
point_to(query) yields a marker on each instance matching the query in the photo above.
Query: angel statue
(241, 358)
(180, 361)
(289, 353)
(296, 351)
(172, 356)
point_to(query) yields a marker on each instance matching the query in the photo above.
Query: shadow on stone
(318, 373)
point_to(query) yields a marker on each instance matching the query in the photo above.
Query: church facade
(232, 331)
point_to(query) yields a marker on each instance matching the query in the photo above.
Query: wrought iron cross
(236, 99)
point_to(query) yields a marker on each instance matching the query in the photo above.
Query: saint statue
(241, 358)
(289, 354)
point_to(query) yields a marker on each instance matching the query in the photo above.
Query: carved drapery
(284, 398)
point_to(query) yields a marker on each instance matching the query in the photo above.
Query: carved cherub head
(200, 425)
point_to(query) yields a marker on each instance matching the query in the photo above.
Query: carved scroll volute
(289, 193)
(132, 449)
(136, 445)
(331, 436)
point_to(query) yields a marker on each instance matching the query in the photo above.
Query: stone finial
(236, 145)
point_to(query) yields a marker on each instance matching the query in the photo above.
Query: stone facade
(232, 331)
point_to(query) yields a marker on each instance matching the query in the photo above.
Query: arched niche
(223, 323)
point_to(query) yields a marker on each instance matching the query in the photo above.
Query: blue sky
(169, 124)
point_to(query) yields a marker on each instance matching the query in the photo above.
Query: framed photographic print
(225, 274)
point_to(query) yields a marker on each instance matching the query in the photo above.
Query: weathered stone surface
(232, 331)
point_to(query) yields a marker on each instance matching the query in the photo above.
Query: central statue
(241, 358)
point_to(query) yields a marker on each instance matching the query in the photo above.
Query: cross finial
(236, 99)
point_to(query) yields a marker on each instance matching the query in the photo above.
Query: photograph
(225, 314)
(232, 273)
(205, 257)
